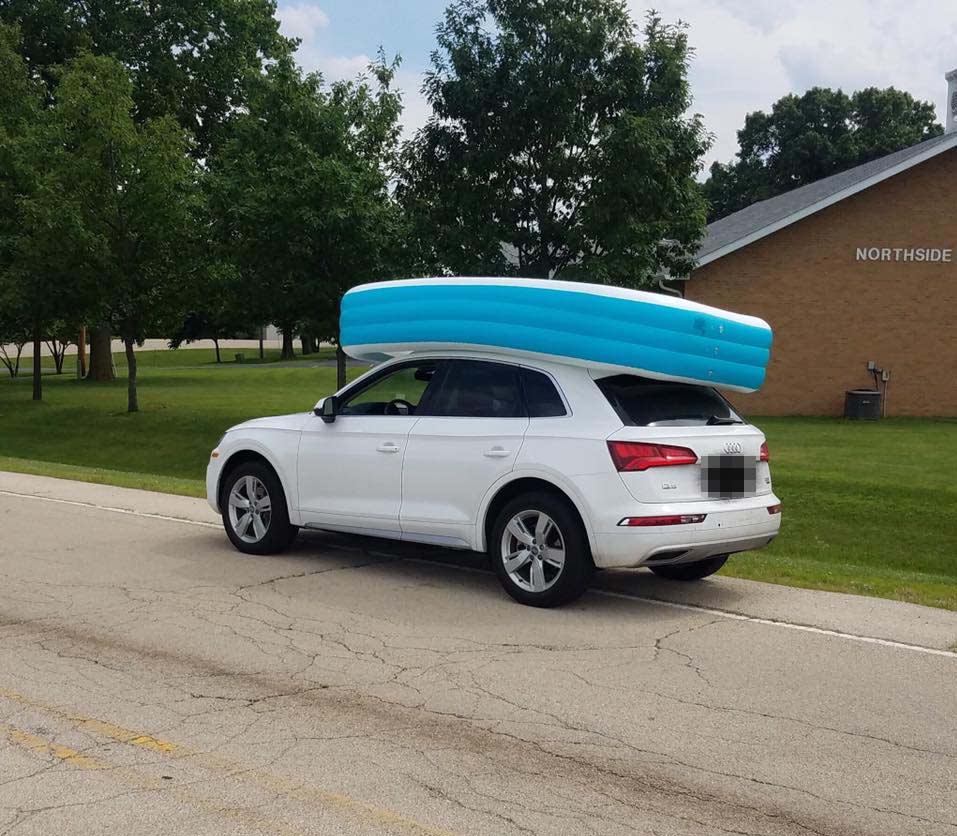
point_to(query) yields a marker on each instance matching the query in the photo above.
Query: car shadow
(618, 584)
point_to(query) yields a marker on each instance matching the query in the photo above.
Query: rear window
(642, 402)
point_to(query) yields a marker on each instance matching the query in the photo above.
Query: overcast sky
(748, 53)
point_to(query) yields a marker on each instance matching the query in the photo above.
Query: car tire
(268, 530)
(554, 532)
(691, 571)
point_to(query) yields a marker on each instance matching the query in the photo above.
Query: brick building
(858, 267)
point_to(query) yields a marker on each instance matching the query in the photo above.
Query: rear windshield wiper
(715, 421)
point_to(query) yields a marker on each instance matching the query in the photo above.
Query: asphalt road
(153, 680)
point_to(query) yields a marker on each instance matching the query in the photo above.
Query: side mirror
(326, 409)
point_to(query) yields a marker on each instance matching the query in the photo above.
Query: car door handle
(388, 447)
(498, 453)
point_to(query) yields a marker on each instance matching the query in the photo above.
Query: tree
(120, 205)
(808, 137)
(48, 271)
(101, 354)
(200, 325)
(14, 329)
(59, 338)
(298, 203)
(27, 303)
(187, 58)
(558, 144)
(11, 362)
(219, 310)
(372, 111)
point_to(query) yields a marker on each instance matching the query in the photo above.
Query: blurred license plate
(728, 477)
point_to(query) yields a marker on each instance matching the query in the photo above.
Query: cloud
(302, 20)
(342, 67)
(749, 53)
(307, 22)
(415, 109)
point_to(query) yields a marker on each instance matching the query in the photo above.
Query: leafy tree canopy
(29, 303)
(805, 138)
(20, 109)
(300, 197)
(558, 145)
(112, 223)
(187, 58)
(20, 99)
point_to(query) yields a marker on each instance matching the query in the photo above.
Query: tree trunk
(81, 354)
(287, 347)
(101, 357)
(132, 403)
(340, 367)
(262, 351)
(37, 366)
(12, 364)
(58, 352)
(216, 343)
(307, 343)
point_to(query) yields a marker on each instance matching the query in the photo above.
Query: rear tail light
(774, 509)
(673, 519)
(636, 455)
(764, 455)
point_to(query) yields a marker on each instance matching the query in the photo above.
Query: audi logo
(732, 447)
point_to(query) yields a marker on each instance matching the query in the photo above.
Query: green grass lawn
(184, 410)
(870, 508)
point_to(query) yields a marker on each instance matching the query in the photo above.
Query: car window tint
(642, 402)
(479, 390)
(541, 396)
(399, 393)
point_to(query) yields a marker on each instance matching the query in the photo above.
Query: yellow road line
(300, 791)
(293, 789)
(100, 727)
(46, 747)
(146, 783)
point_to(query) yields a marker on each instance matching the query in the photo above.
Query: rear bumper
(729, 527)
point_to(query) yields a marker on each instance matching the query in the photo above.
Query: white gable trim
(830, 200)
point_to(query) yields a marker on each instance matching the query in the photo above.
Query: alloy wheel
(533, 551)
(250, 509)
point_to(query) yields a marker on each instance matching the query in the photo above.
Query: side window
(401, 392)
(475, 389)
(541, 395)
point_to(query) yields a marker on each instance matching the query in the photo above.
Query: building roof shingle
(753, 222)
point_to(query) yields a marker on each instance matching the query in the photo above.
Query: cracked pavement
(152, 679)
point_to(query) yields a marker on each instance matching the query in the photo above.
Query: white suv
(551, 468)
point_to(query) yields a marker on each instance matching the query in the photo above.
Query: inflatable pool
(598, 326)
